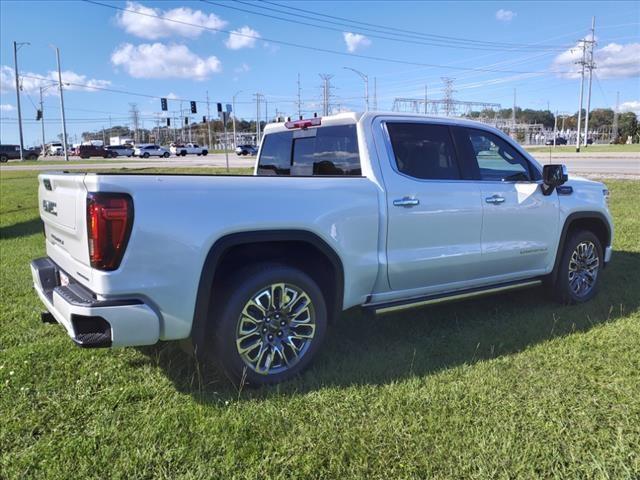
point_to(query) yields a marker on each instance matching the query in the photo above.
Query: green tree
(628, 127)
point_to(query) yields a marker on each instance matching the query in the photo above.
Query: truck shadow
(21, 229)
(364, 350)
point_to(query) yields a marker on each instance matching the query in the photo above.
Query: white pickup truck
(378, 211)
(187, 149)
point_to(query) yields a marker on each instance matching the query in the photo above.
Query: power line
(448, 43)
(308, 47)
(391, 30)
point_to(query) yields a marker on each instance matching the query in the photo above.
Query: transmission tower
(135, 119)
(448, 95)
(614, 134)
(299, 101)
(326, 93)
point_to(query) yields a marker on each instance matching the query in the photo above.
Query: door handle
(406, 202)
(495, 199)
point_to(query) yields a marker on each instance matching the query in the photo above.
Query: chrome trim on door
(406, 202)
(495, 199)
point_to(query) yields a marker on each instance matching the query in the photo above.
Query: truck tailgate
(63, 203)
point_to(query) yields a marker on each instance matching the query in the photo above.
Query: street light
(233, 107)
(64, 121)
(366, 85)
(42, 90)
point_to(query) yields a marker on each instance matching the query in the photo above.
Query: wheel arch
(593, 221)
(234, 246)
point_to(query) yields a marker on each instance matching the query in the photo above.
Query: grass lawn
(588, 149)
(510, 386)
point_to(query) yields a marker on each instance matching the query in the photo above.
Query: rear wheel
(270, 326)
(165, 154)
(205, 153)
(579, 270)
(145, 155)
(4, 159)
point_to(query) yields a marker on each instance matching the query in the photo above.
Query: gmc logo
(50, 207)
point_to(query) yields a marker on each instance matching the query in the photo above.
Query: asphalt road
(622, 165)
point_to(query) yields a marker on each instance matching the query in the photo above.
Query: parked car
(86, 151)
(55, 149)
(246, 150)
(120, 150)
(559, 141)
(12, 152)
(379, 211)
(146, 151)
(188, 149)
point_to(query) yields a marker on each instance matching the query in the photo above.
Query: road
(611, 165)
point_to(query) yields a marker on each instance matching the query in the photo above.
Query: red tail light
(304, 124)
(109, 222)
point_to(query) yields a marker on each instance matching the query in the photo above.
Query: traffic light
(193, 107)
(163, 104)
(186, 120)
(38, 114)
(204, 119)
(168, 122)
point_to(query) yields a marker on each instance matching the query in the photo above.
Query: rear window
(315, 151)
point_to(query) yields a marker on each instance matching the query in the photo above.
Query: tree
(600, 117)
(628, 127)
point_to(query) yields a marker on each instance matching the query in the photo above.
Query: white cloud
(244, 37)
(6, 107)
(505, 15)
(244, 68)
(142, 21)
(31, 82)
(171, 96)
(612, 61)
(158, 60)
(631, 106)
(355, 41)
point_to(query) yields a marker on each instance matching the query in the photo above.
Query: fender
(565, 230)
(223, 244)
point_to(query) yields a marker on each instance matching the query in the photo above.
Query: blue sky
(123, 50)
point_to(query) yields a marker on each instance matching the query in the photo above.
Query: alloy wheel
(583, 268)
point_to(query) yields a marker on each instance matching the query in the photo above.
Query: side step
(383, 308)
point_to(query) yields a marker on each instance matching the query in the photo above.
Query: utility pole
(233, 107)
(16, 46)
(425, 98)
(209, 119)
(615, 118)
(582, 63)
(366, 85)
(64, 121)
(375, 93)
(258, 98)
(555, 128)
(326, 92)
(513, 110)
(42, 121)
(299, 102)
(134, 120)
(590, 66)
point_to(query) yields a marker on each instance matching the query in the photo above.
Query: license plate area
(64, 279)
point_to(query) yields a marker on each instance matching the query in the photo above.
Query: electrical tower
(299, 101)
(135, 119)
(614, 134)
(326, 93)
(448, 95)
(590, 65)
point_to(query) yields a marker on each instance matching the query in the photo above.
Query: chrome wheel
(276, 328)
(583, 268)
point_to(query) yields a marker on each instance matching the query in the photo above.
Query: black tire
(32, 157)
(241, 288)
(183, 153)
(165, 155)
(145, 155)
(4, 159)
(561, 287)
(205, 153)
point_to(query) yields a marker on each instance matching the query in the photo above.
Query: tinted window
(424, 151)
(321, 151)
(496, 158)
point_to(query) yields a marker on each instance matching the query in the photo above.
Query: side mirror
(553, 176)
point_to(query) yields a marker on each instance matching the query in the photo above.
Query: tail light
(303, 124)
(109, 222)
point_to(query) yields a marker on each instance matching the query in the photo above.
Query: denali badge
(50, 207)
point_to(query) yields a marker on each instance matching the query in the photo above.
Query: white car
(120, 150)
(377, 211)
(146, 151)
(188, 149)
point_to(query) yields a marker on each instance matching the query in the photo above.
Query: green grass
(633, 148)
(510, 386)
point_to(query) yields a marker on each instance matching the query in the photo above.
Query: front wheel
(165, 154)
(579, 269)
(270, 325)
(204, 153)
(4, 159)
(145, 155)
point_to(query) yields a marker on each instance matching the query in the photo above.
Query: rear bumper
(89, 321)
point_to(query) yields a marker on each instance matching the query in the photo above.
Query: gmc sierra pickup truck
(378, 211)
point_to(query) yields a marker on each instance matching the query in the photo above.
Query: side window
(424, 150)
(497, 160)
(275, 158)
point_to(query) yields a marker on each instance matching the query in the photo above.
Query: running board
(383, 308)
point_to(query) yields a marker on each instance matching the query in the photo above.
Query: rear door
(520, 224)
(62, 205)
(434, 213)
